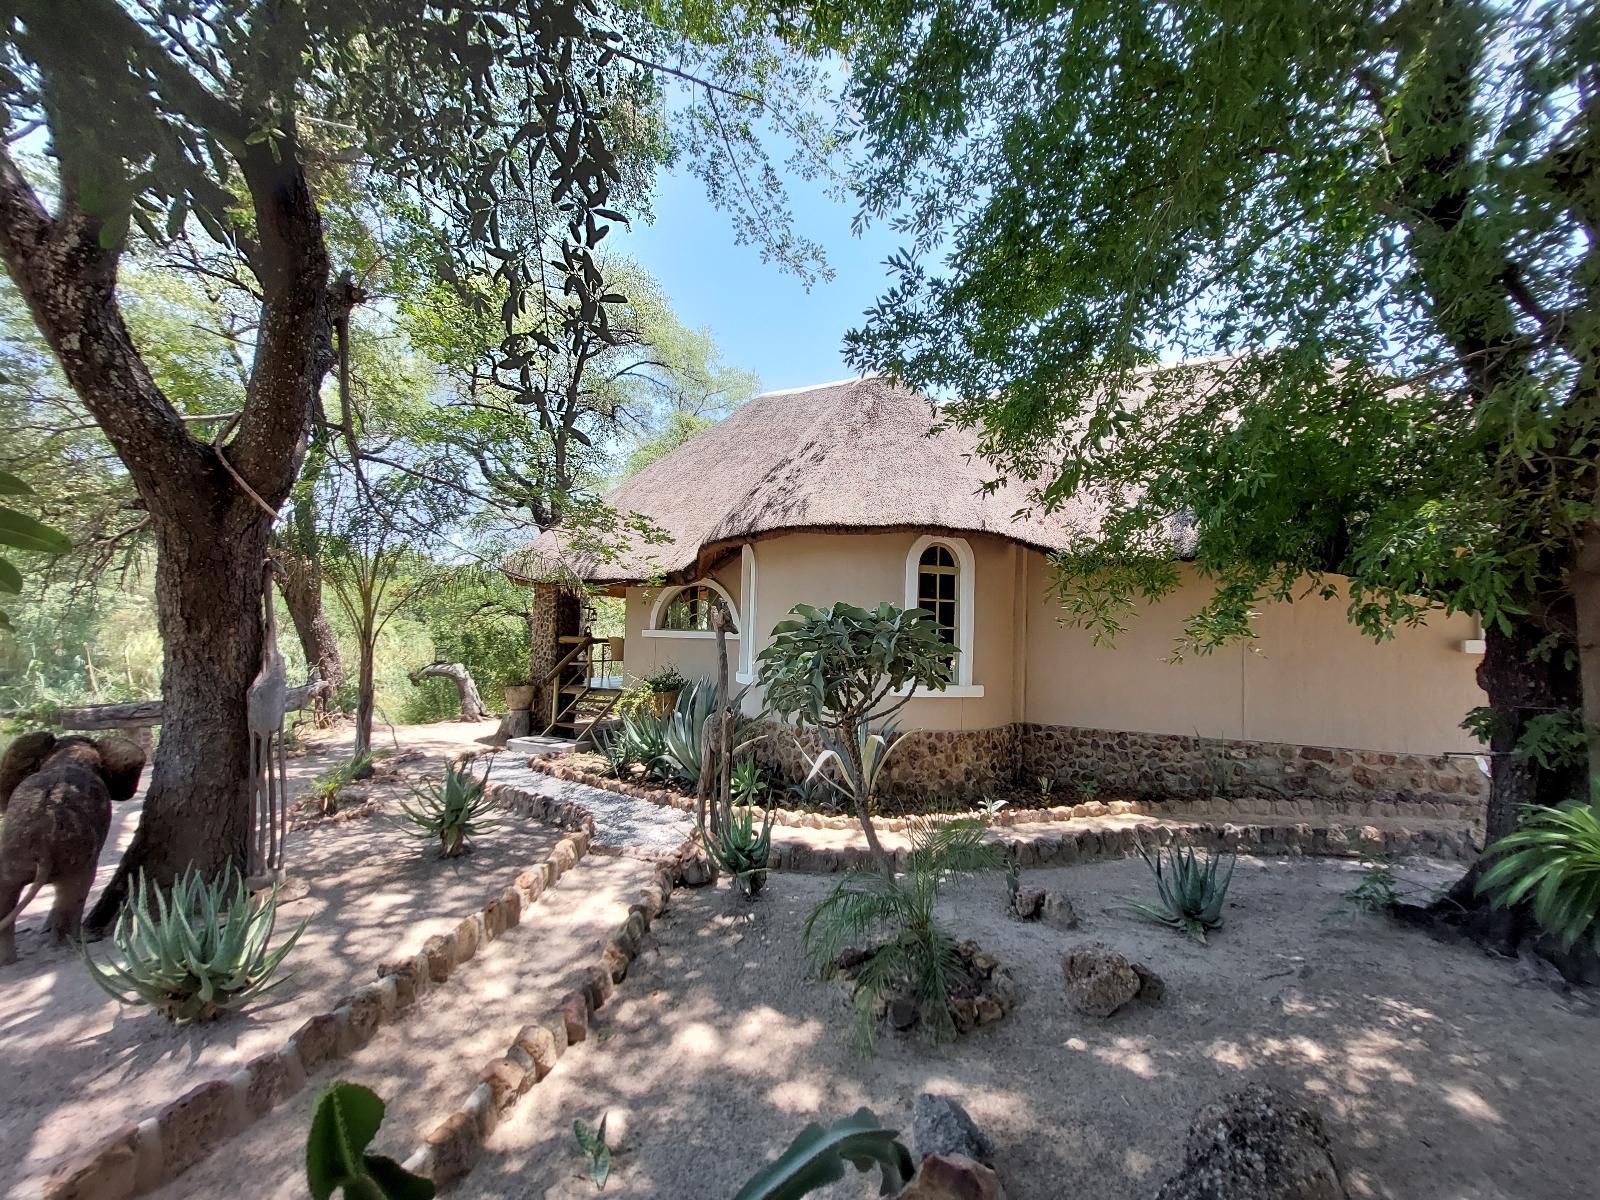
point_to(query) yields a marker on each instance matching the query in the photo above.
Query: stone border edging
(454, 1145)
(142, 1156)
(1055, 815)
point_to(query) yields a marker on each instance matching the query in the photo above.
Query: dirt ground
(1442, 1074)
(77, 1064)
(427, 1063)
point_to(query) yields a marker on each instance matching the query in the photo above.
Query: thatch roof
(855, 455)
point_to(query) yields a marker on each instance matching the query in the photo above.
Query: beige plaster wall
(695, 657)
(1309, 678)
(865, 570)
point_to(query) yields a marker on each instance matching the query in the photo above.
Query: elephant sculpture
(56, 795)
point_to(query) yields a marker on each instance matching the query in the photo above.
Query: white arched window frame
(659, 608)
(966, 583)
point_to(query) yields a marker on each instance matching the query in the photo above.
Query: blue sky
(762, 317)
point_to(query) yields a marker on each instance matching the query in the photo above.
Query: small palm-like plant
(916, 957)
(197, 952)
(1190, 889)
(325, 788)
(452, 811)
(1552, 859)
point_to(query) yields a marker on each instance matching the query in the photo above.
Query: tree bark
(300, 580)
(471, 702)
(366, 689)
(1585, 583)
(1524, 677)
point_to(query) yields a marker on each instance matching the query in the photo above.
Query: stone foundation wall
(1164, 767)
(960, 766)
(932, 765)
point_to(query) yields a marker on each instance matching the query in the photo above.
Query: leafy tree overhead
(1374, 224)
(166, 111)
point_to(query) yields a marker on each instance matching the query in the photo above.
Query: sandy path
(427, 1063)
(1442, 1077)
(77, 1064)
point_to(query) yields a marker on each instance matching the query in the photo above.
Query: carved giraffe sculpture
(266, 702)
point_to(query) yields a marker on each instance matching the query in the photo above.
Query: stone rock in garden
(695, 869)
(940, 1125)
(1100, 981)
(1056, 910)
(1256, 1144)
(1027, 903)
(901, 1013)
(953, 1177)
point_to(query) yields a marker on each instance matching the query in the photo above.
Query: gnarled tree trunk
(471, 702)
(300, 580)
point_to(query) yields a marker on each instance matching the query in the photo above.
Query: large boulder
(1256, 1144)
(953, 1177)
(1100, 981)
(939, 1125)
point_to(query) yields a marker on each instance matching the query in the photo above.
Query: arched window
(940, 579)
(686, 611)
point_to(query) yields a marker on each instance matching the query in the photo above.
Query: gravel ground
(1442, 1074)
(620, 821)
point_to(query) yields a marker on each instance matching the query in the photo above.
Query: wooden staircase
(584, 686)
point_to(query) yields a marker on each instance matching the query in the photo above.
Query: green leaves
(198, 952)
(836, 665)
(347, 1119)
(593, 1144)
(1552, 859)
(22, 532)
(453, 811)
(820, 1154)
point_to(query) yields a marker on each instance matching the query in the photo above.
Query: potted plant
(519, 695)
(664, 687)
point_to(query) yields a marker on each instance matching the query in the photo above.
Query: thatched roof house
(840, 492)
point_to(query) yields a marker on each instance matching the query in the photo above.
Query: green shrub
(915, 954)
(201, 951)
(682, 730)
(592, 1142)
(346, 1120)
(452, 811)
(1191, 894)
(1553, 858)
(741, 851)
(323, 791)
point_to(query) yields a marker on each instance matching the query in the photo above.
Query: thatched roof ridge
(850, 456)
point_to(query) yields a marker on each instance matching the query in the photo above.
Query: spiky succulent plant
(1191, 892)
(201, 950)
(452, 811)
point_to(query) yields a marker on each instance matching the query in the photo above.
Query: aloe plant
(452, 811)
(346, 1120)
(855, 776)
(1553, 858)
(748, 784)
(683, 729)
(198, 952)
(740, 851)
(1191, 894)
(820, 1154)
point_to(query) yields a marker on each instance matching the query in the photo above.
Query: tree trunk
(366, 688)
(1585, 583)
(208, 605)
(471, 702)
(1524, 677)
(300, 580)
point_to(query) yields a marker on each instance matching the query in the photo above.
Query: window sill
(685, 633)
(956, 691)
(742, 677)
